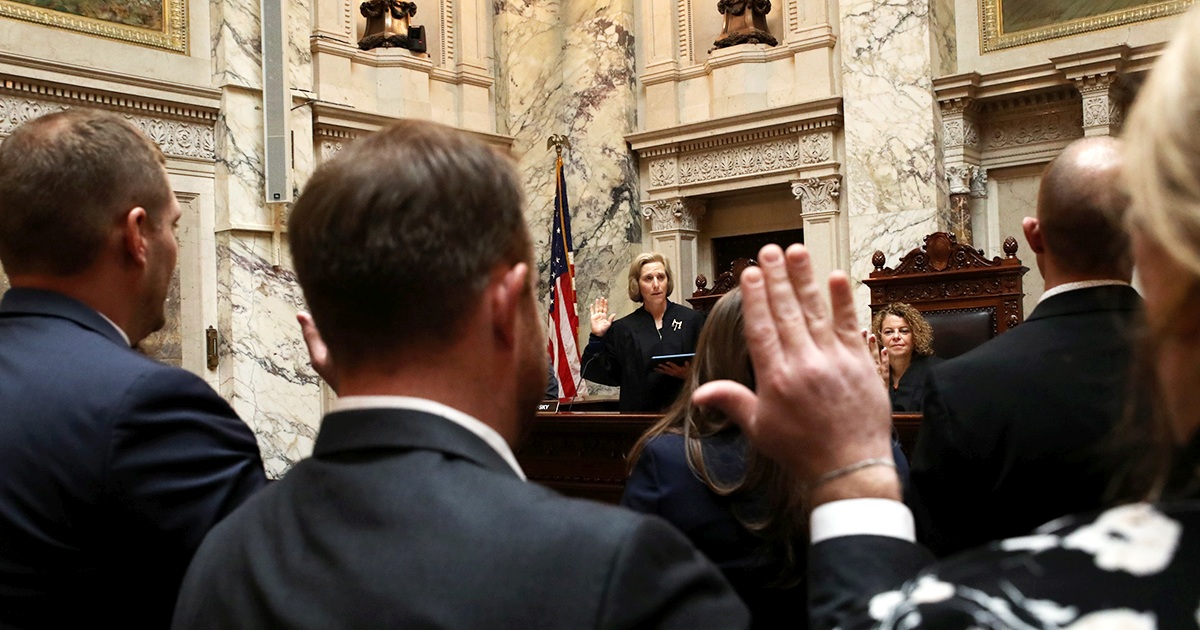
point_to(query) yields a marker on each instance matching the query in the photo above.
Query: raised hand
(818, 406)
(601, 320)
(880, 354)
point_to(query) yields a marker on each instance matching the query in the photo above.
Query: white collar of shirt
(485, 433)
(116, 327)
(1083, 284)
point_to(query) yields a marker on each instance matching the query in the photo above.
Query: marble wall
(894, 184)
(568, 68)
(264, 370)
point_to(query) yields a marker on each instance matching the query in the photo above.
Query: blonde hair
(922, 332)
(722, 354)
(635, 273)
(1163, 151)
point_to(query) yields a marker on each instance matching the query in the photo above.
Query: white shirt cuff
(859, 517)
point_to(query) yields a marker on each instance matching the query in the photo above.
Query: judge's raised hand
(601, 320)
(880, 355)
(819, 406)
(318, 352)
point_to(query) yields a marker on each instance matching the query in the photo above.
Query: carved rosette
(680, 213)
(818, 194)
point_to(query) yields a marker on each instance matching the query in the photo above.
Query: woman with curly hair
(902, 345)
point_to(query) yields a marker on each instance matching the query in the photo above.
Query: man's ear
(1033, 234)
(507, 296)
(133, 237)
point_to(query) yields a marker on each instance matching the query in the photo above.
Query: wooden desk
(582, 454)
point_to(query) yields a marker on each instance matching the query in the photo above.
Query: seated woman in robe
(695, 469)
(619, 352)
(902, 345)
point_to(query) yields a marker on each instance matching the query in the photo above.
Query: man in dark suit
(1014, 431)
(415, 260)
(112, 466)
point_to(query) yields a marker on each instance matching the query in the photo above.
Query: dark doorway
(729, 248)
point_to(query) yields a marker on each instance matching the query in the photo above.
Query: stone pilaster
(820, 210)
(1103, 111)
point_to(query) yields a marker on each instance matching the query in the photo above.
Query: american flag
(564, 322)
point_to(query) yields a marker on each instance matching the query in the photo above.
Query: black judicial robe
(622, 356)
(910, 391)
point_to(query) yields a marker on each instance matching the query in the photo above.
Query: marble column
(893, 185)
(567, 67)
(819, 199)
(960, 145)
(968, 184)
(263, 368)
(674, 226)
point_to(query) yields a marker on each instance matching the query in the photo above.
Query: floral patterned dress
(1132, 567)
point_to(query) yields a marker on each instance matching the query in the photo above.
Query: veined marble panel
(265, 371)
(893, 182)
(894, 234)
(240, 189)
(582, 85)
(236, 41)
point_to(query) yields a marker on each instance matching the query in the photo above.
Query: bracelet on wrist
(837, 473)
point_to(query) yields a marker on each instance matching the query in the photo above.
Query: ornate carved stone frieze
(331, 140)
(680, 213)
(818, 194)
(774, 155)
(176, 138)
(1037, 128)
(664, 172)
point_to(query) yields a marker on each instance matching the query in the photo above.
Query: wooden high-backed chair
(966, 298)
(704, 298)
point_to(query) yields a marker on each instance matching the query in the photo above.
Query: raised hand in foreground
(819, 408)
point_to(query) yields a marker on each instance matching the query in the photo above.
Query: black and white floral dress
(1133, 567)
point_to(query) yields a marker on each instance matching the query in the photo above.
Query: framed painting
(1008, 23)
(155, 23)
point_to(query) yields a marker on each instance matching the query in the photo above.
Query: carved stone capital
(967, 179)
(680, 213)
(818, 194)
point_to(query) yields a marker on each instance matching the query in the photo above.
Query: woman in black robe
(619, 352)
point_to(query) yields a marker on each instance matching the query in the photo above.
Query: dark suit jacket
(662, 484)
(112, 468)
(1014, 430)
(402, 519)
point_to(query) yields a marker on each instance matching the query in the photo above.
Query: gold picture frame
(996, 36)
(154, 23)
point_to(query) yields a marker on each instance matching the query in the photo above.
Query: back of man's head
(66, 179)
(395, 239)
(1081, 210)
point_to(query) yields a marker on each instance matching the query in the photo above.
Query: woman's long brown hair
(721, 353)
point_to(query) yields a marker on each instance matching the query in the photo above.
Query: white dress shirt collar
(116, 327)
(1083, 284)
(474, 425)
